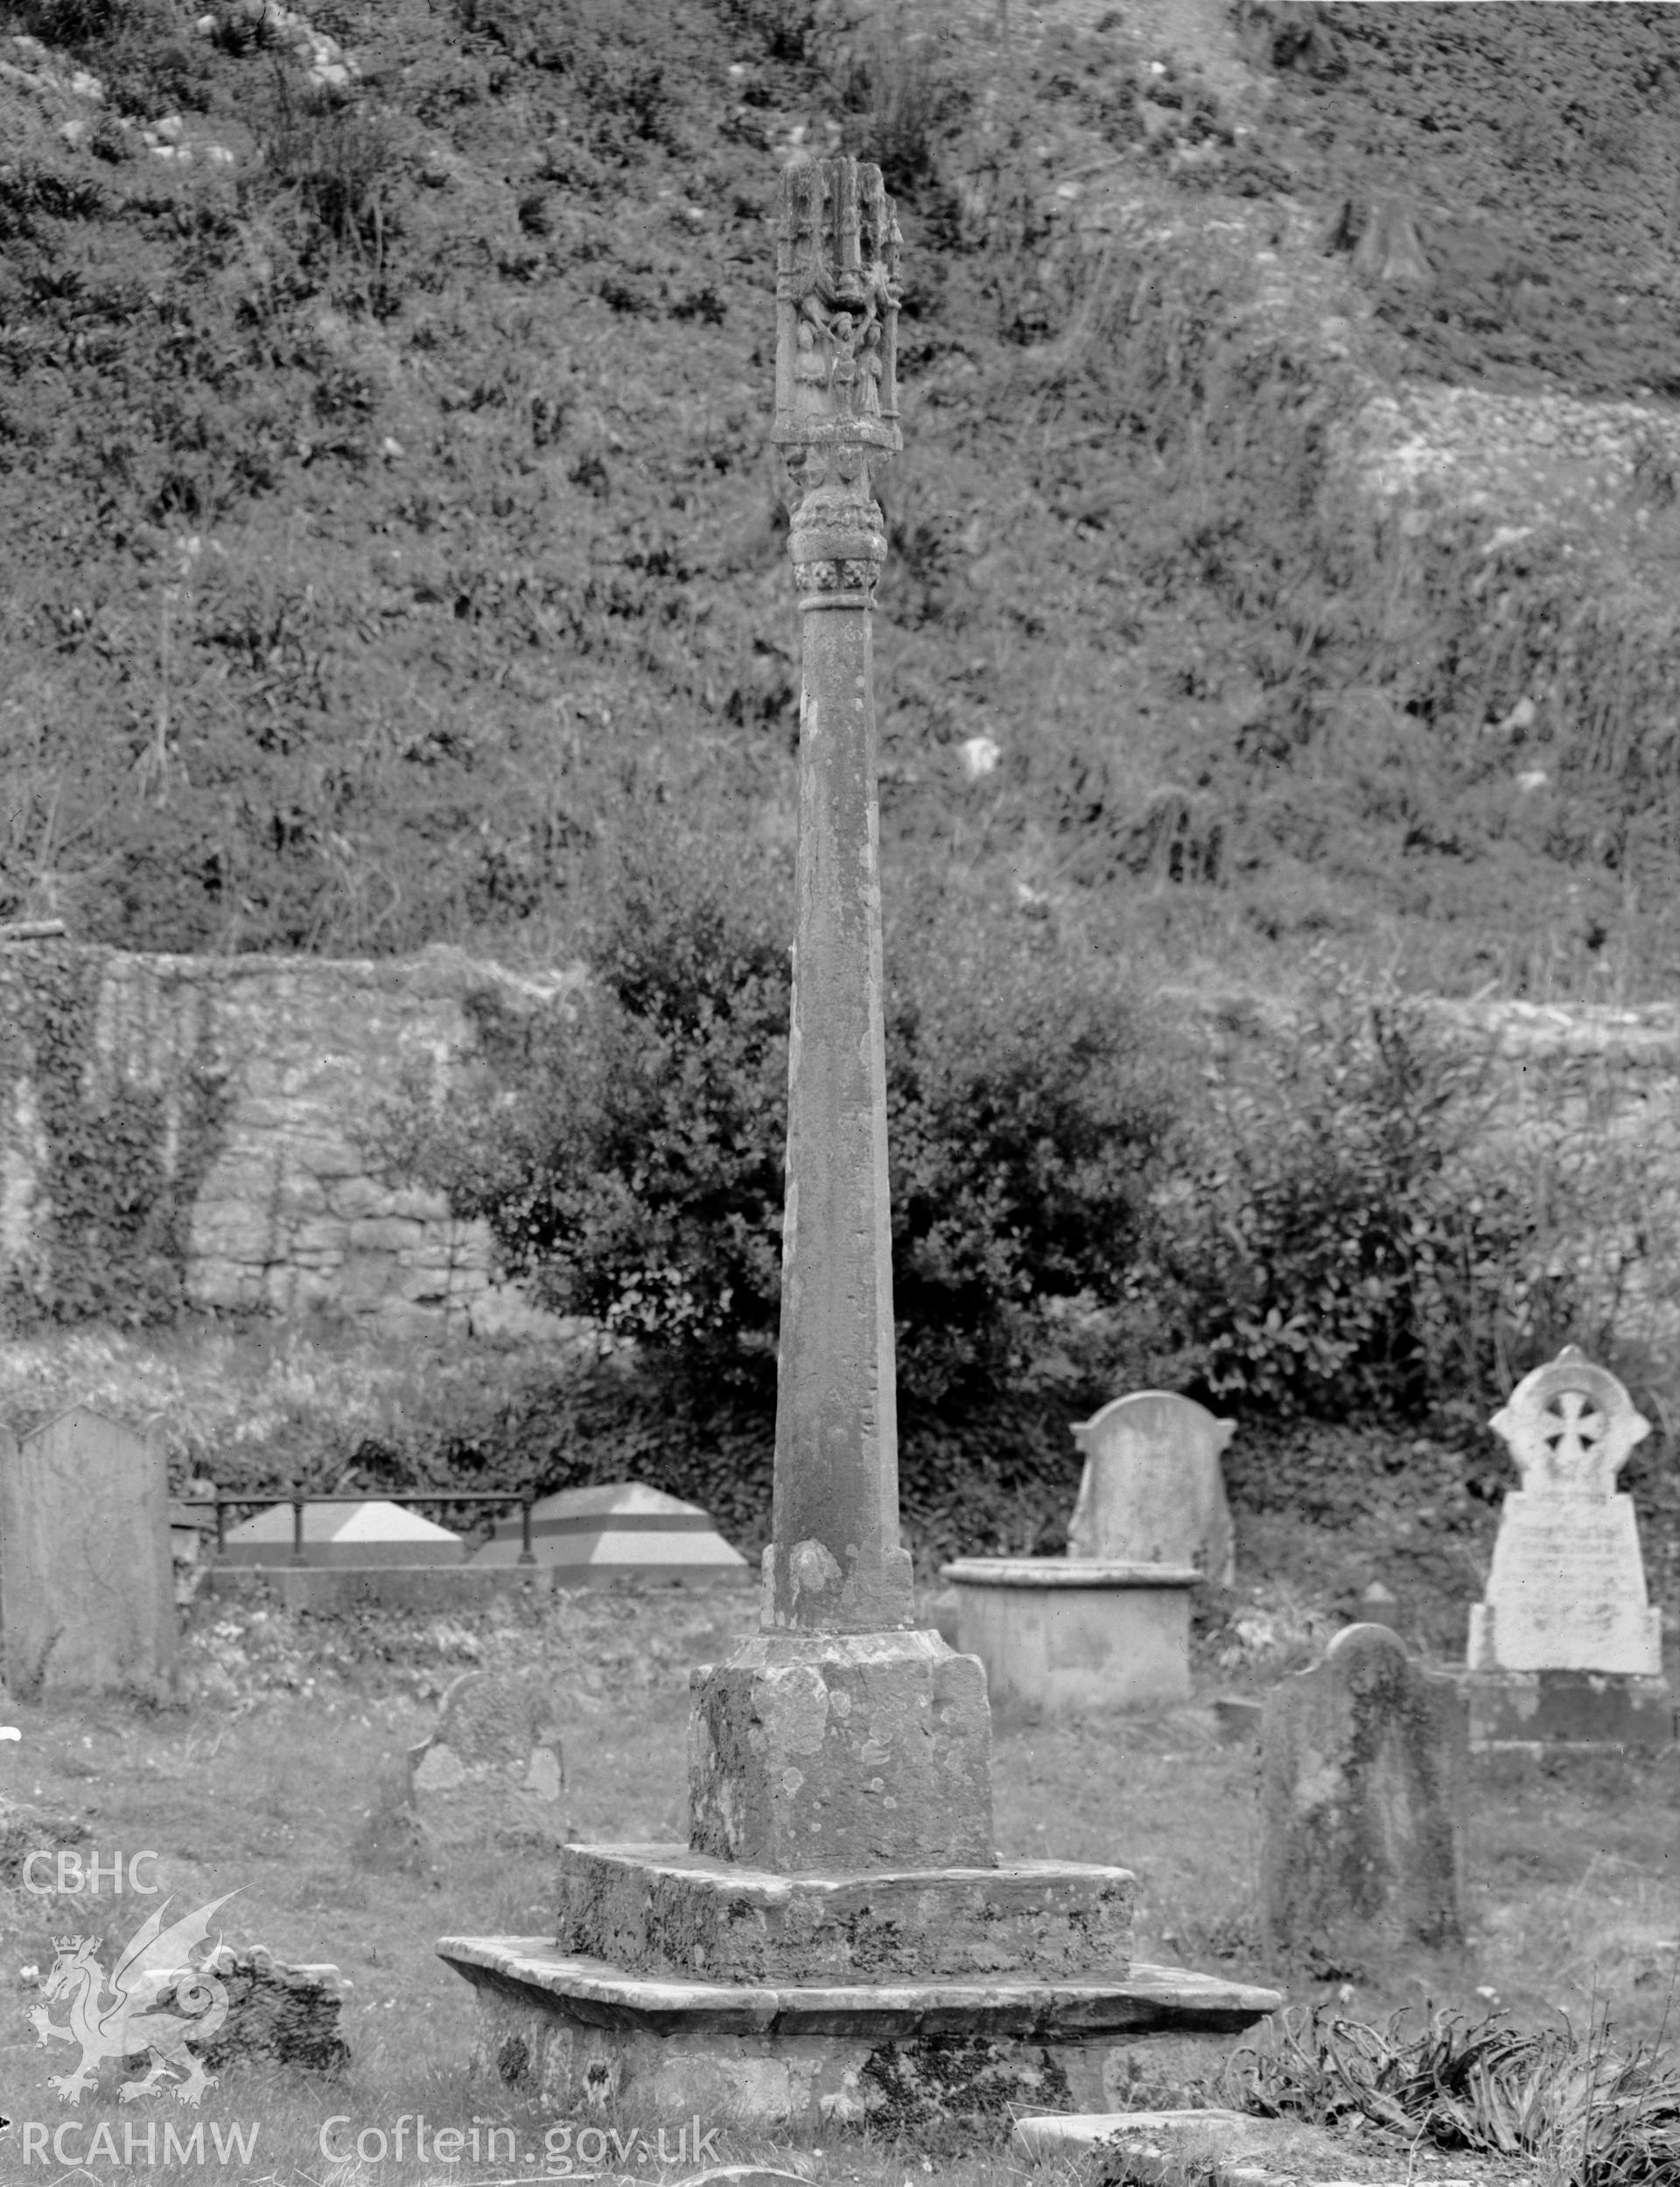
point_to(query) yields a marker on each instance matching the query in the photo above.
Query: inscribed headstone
(1362, 1773)
(1153, 1491)
(494, 1769)
(87, 1586)
(1567, 1587)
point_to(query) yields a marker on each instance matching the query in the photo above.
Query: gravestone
(1565, 1644)
(1153, 1491)
(1362, 1773)
(494, 1770)
(87, 1584)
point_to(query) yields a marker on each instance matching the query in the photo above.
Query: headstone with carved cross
(1566, 1622)
(837, 1937)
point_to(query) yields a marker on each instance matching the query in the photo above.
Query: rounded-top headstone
(1153, 1491)
(1362, 1767)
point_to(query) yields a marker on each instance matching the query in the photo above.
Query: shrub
(1355, 1230)
(628, 1156)
(1028, 1104)
(625, 1148)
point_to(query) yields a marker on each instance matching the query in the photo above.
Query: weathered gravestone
(87, 1585)
(1565, 1644)
(1363, 1769)
(494, 1770)
(290, 2015)
(1153, 1491)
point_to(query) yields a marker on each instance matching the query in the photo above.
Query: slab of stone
(1153, 1491)
(1576, 1708)
(662, 1909)
(1226, 2148)
(86, 1577)
(1070, 1635)
(1362, 1778)
(494, 1770)
(1567, 1587)
(834, 1751)
(1143, 1999)
(571, 2031)
(288, 2014)
(1070, 2133)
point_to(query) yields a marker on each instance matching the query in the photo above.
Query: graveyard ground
(279, 1778)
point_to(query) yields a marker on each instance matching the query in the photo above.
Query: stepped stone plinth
(838, 1938)
(663, 1910)
(576, 2032)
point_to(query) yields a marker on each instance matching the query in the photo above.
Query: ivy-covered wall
(188, 1131)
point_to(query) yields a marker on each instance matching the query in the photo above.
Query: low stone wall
(1522, 456)
(284, 1209)
(292, 1057)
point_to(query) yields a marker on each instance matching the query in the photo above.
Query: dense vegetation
(388, 522)
(393, 553)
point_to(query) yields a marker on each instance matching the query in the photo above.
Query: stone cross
(838, 1734)
(1570, 1427)
(835, 1564)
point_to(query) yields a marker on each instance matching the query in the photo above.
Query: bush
(627, 1153)
(1028, 1103)
(1350, 1235)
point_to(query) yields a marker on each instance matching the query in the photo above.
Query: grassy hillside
(390, 528)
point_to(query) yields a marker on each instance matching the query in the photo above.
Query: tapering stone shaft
(835, 1564)
(838, 1737)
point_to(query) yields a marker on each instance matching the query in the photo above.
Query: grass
(458, 383)
(274, 1778)
(1588, 2113)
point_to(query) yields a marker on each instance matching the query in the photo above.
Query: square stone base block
(572, 2031)
(826, 1751)
(1067, 1634)
(664, 1911)
(1577, 1708)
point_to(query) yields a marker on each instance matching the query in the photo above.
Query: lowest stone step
(570, 2029)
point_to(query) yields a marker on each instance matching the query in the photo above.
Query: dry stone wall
(287, 1210)
(1522, 456)
(290, 1211)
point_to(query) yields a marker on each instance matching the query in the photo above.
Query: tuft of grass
(340, 163)
(1593, 2116)
(900, 89)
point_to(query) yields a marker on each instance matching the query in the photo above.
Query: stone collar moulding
(838, 1938)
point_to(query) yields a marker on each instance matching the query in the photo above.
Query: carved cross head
(1570, 1426)
(838, 245)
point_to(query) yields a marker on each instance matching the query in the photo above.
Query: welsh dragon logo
(125, 2015)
